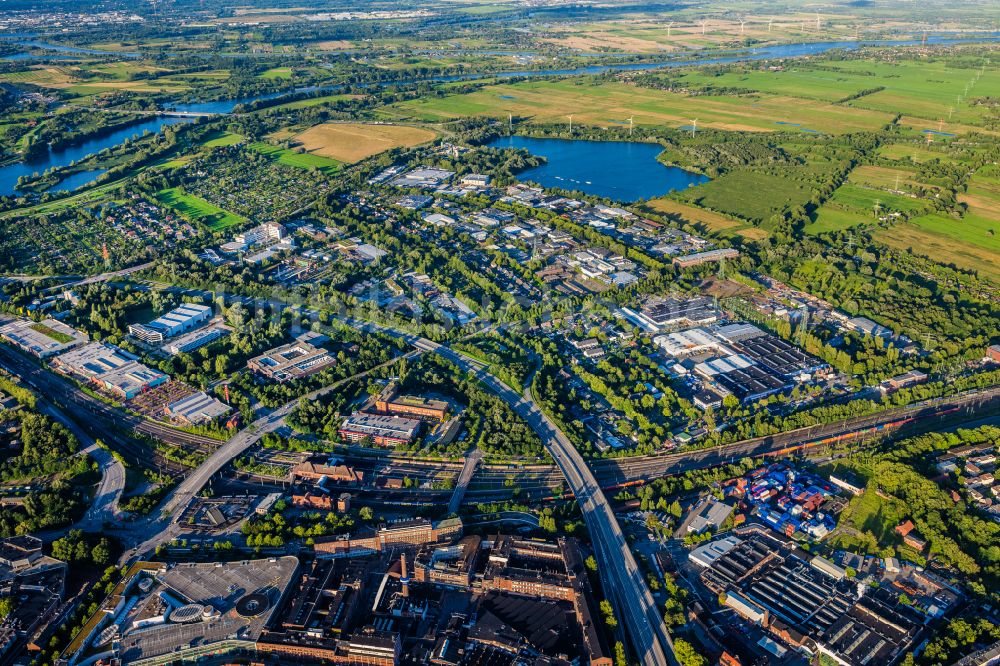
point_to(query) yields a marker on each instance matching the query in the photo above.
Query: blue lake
(622, 170)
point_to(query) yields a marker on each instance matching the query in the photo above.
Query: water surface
(621, 170)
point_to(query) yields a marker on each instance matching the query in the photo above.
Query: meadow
(198, 210)
(972, 242)
(352, 142)
(295, 159)
(924, 90)
(605, 104)
(706, 220)
(750, 195)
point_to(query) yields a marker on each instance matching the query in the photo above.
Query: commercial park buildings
(179, 320)
(110, 368)
(292, 361)
(42, 339)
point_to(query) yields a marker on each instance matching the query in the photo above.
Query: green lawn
(197, 209)
(52, 333)
(299, 160)
(831, 217)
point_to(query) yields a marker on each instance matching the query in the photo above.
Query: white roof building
(691, 341)
(198, 408)
(43, 339)
(706, 555)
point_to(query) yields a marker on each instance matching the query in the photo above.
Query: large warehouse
(179, 320)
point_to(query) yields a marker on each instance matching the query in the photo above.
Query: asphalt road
(624, 583)
(104, 506)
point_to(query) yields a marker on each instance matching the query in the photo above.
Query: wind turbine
(878, 207)
(703, 22)
(769, 22)
(694, 127)
(570, 116)
(510, 122)
(817, 21)
(630, 123)
(670, 26)
(742, 24)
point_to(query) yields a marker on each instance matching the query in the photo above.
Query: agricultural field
(197, 209)
(352, 142)
(925, 91)
(641, 35)
(709, 221)
(603, 104)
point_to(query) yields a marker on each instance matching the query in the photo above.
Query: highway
(623, 581)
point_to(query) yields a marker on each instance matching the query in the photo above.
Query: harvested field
(350, 142)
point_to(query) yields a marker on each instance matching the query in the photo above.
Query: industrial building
(131, 379)
(403, 533)
(179, 320)
(381, 430)
(42, 338)
(661, 313)
(197, 409)
(317, 472)
(292, 361)
(110, 368)
(810, 603)
(698, 258)
(690, 342)
(776, 355)
(92, 360)
(197, 339)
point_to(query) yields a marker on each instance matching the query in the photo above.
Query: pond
(621, 170)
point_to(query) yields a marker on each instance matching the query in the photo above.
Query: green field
(920, 88)
(831, 217)
(226, 139)
(971, 242)
(748, 194)
(311, 101)
(298, 160)
(607, 104)
(197, 209)
(277, 73)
